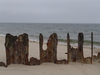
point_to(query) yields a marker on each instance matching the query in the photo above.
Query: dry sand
(73, 68)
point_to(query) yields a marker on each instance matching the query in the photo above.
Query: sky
(50, 11)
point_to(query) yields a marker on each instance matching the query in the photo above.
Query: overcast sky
(50, 11)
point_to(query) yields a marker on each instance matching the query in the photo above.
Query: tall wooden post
(68, 46)
(80, 47)
(50, 54)
(9, 46)
(51, 51)
(16, 49)
(91, 46)
(41, 47)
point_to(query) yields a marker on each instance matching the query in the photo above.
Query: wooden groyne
(17, 51)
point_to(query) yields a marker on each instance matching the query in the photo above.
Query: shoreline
(62, 41)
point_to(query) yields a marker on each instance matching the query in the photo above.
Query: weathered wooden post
(80, 47)
(55, 39)
(50, 54)
(51, 50)
(16, 49)
(9, 46)
(23, 45)
(68, 46)
(41, 47)
(91, 46)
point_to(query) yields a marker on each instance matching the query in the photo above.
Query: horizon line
(51, 22)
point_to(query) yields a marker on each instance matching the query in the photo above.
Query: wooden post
(50, 54)
(16, 49)
(68, 46)
(9, 46)
(51, 51)
(41, 47)
(91, 46)
(22, 48)
(80, 47)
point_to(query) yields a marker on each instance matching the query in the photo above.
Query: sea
(34, 29)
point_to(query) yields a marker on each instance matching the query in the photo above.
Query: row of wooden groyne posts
(17, 50)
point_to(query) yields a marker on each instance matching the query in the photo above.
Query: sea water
(34, 29)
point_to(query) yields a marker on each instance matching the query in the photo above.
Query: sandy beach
(73, 68)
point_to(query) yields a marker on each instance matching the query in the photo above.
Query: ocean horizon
(34, 29)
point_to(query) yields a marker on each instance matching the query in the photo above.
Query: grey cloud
(64, 11)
